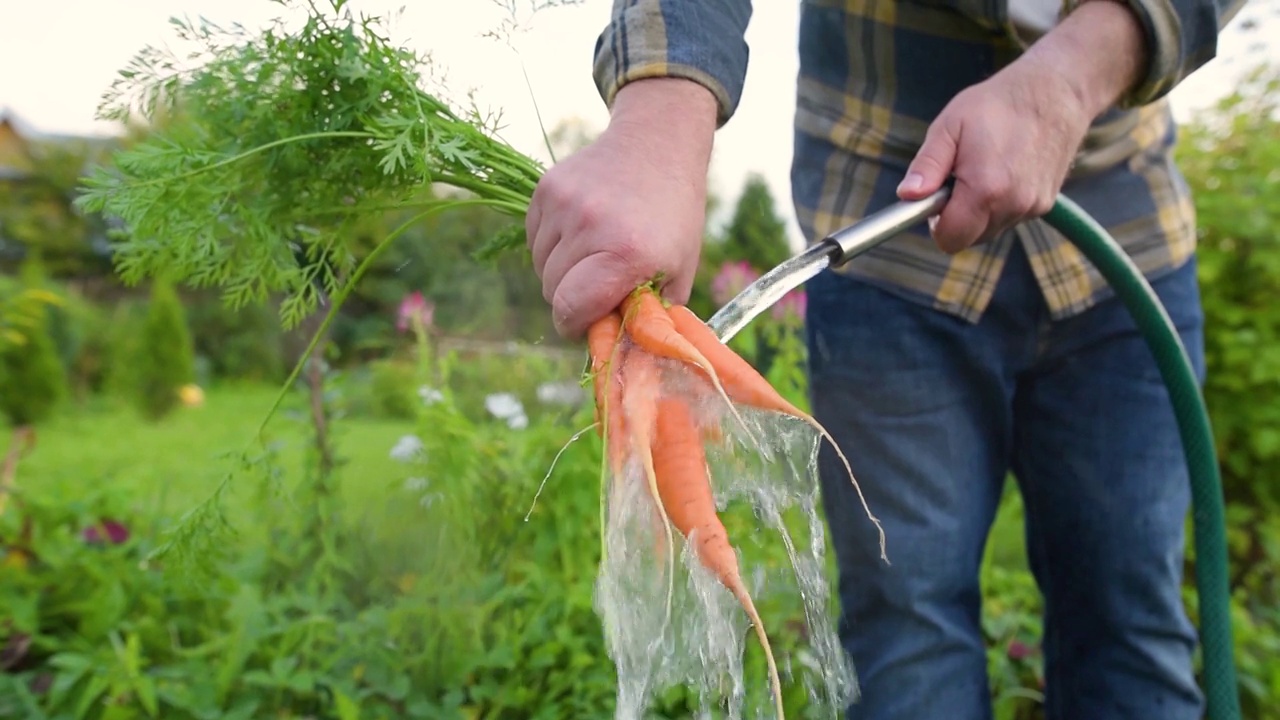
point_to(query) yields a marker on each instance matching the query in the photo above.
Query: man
(978, 344)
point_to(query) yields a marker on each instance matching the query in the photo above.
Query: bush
(32, 378)
(1230, 158)
(241, 344)
(393, 389)
(83, 335)
(166, 358)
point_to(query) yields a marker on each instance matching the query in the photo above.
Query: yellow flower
(192, 395)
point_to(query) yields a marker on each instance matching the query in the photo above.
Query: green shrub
(123, 343)
(83, 335)
(239, 344)
(32, 378)
(166, 358)
(393, 386)
(1230, 160)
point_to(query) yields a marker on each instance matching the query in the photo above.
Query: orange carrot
(744, 384)
(651, 327)
(684, 487)
(604, 345)
(602, 338)
(641, 387)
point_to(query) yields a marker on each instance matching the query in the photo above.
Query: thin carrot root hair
(744, 384)
(739, 591)
(648, 322)
(684, 487)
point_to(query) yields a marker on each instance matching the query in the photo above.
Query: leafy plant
(1231, 158)
(277, 146)
(32, 378)
(165, 360)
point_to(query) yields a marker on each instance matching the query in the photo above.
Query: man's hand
(629, 207)
(1009, 141)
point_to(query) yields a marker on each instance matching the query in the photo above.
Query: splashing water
(669, 622)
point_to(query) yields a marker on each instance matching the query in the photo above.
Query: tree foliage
(1232, 161)
(32, 378)
(165, 360)
(755, 234)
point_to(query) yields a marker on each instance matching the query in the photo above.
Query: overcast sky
(59, 55)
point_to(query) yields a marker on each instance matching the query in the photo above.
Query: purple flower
(106, 531)
(414, 309)
(731, 279)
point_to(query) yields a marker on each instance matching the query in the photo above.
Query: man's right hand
(627, 208)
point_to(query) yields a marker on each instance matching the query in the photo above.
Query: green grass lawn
(173, 464)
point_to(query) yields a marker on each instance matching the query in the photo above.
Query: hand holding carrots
(591, 227)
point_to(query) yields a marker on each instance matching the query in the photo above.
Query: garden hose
(1208, 511)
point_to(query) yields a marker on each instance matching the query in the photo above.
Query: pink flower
(108, 531)
(414, 309)
(791, 306)
(732, 278)
(1019, 650)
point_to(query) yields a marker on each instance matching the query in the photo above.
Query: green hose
(1208, 513)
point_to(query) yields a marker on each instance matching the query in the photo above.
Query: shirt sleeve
(1182, 35)
(699, 40)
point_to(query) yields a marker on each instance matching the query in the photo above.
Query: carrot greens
(267, 148)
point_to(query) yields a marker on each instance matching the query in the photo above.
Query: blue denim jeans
(933, 413)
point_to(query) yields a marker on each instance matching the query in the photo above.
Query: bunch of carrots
(654, 422)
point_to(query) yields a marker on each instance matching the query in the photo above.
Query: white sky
(59, 55)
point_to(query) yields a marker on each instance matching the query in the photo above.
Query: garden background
(376, 557)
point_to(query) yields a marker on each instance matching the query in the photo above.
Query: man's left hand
(1009, 141)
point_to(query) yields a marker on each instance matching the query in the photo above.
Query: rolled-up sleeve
(1182, 35)
(699, 40)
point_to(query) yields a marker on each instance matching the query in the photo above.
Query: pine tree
(166, 356)
(33, 380)
(755, 232)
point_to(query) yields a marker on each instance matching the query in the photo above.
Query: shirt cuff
(700, 41)
(1181, 36)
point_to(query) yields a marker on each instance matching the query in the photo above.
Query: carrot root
(641, 386)
(745, 384)
(684, 487)
(739, 591)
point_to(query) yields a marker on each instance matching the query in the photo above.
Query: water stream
(668, 622)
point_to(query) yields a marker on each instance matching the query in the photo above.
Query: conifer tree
(166, 356)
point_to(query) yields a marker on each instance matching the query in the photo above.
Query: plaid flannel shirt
(875, 73)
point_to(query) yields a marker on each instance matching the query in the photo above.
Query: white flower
(415, 484)
(518, 422)
(503, 406)
(560, 393)
(430, 395)
(408, 449)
